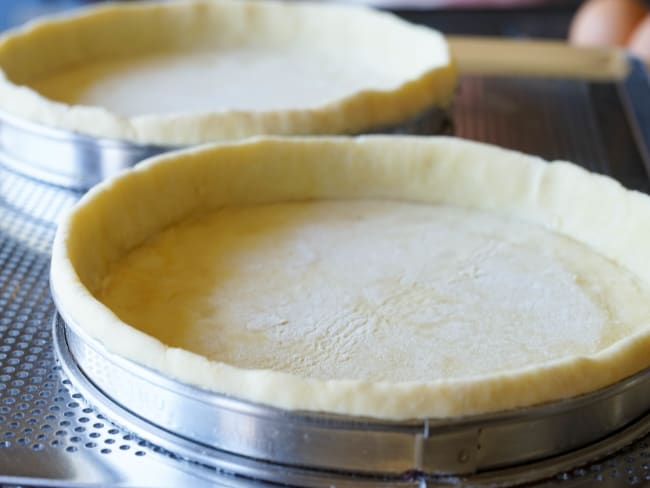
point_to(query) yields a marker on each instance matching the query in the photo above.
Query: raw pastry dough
(374, 291)
(386, 277)
(198, 71)
(250, 78)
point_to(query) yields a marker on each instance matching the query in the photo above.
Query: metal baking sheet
(49, 433)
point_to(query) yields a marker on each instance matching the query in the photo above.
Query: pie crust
(558, 199)
(178, 73)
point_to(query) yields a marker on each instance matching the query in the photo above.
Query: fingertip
(640, 40)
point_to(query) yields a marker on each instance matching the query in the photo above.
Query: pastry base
(222, 69)
(375, 291)
(119, 215)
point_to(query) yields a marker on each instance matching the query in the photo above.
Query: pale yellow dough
(250, 78)
(196, 71)
(374, 291)
(392, 277)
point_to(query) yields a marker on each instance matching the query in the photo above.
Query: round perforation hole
(18, 354)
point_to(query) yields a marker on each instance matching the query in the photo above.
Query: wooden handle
(494, 56)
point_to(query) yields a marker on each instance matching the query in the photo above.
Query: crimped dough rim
(120, 213)
(427, 73)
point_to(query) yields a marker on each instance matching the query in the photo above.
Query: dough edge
(369, 109)
(559, 196)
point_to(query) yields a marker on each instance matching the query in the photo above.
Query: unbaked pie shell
(417, 58)
(122, 213)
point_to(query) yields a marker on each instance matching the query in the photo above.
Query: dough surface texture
(374, 291)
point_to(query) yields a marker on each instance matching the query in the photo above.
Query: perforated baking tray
(57, 428)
